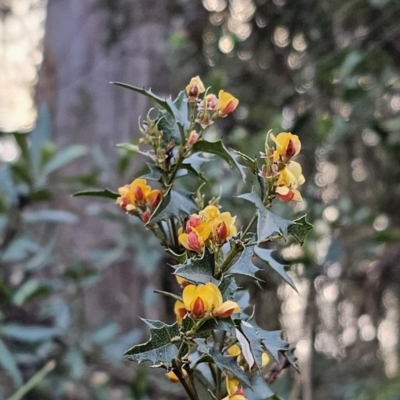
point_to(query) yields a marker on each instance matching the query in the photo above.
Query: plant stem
(218, 388)
(34, 381)
(186, 385)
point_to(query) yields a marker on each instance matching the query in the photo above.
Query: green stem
(34, 381)
(183, 380)
(178, 164)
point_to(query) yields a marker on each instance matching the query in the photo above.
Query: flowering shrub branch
(212, 329)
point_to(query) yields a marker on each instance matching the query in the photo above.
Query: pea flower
(235, 351)
(194, 89)
(195, 239)
(287, 146)
(206, 301)
(235, 392)
(133, 195)
(226, 104)
(223, 227)
(289, 179)
(209, 213)
(172, 376)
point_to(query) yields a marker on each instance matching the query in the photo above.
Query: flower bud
(193, 137)
(146, 216)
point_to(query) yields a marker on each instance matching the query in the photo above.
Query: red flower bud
(146, 216)
(198, 308)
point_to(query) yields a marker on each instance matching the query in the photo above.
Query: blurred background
(76, 273)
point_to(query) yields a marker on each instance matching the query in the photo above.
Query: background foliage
(328, 71)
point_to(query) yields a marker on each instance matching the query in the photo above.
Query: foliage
(207, 247)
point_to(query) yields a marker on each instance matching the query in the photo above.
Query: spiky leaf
(268, 223)
(254, 341)
(159, 349)
(272, 342)
(228, 287)
(265, 255)
(260, 390)
(98, 193)
(244, 265)
(300, 229)
(217, 148)
(173, 205)
(198, 269)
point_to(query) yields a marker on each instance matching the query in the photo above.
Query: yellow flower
(287, 146)
(236, 351)
(289, 179)
(226, 103)
(206, 301)
(209, 213)
(180, 311)
(133, 195)
(195, 88)
(195, 239)
(223, 227)
(235, 392)
(172, 376)
(181, 281)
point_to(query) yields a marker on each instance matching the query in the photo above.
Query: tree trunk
(88, 44)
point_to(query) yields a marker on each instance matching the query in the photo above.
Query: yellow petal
(234, 350)
(195, 82)
(226, 309)
(188, 295)
(209, 213)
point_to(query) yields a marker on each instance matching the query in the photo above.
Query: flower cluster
(235, 391)
(210, 107)
(208, 227)
(204, 302)
(139, 199)
(280, 170)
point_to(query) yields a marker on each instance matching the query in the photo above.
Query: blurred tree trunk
(88, 44)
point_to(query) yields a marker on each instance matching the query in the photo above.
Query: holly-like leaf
(198, 269)
(163, 102)
(159, 349)
(134, 148)
(272, 342)
(265, 255)
(228, 287)
(168, 294)
(217, 148)
(181, 258)
(300, 229)
(171, 132)
(98, 193)
(229, 364)
(244, 265)
(155, 173)
(291, 359)
(254, 342)
(260, 390)
(173, 205)
(268, 223)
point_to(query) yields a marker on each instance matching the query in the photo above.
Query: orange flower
(226, 103)
(287, 146)
(223, 227)
(206, 301)
(289, 179)
(195, 239)
(133, 195)
(194, 89)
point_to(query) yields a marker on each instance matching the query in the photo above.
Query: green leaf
(64, 157)
(134, 148)
(219, 150)
(260, 390)
(229, 364)
(98, 193)
(168, 294)
(272, 342)
(26, 291)
(268, 223)
(159, 348)
(174, 204)
(254, 341)
(198, 269)
(7, 361)
(265, 255)
(181, 258)
(228, 287)
(244, 265)
(164, 103)
(155, 173)
(292, 360)
(300, 229)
